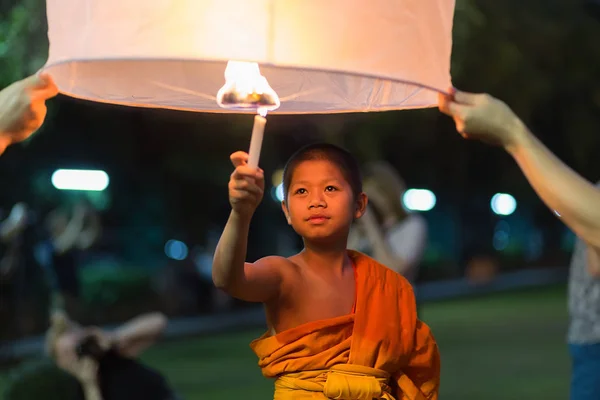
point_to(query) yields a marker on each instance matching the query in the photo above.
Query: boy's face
(320, 204)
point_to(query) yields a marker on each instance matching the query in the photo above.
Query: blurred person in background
(23, 108)
(388, 232)
(71, 231)
(106, 363)
(11, 230)
(572, 198)
(21, 279)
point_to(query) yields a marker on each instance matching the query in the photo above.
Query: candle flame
(246, 89)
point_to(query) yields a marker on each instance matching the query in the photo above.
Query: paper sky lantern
(253, 56)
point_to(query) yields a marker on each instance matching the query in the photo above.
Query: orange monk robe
(379, 352)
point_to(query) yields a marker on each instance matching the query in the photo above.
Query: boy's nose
(317, 200)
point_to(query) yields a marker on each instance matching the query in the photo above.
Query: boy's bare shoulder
(274, 262)
(283, 267)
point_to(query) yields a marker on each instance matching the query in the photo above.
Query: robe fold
(381, 351)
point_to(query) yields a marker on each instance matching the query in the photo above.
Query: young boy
(341, 325)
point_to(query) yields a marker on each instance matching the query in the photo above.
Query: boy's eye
(330, 188)
(300, 191)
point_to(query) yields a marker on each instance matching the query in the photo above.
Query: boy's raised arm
(259, 281)
(256, 282)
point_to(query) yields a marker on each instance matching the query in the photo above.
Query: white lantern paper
(320, 56)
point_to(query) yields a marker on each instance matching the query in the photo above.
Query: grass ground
(506, 346)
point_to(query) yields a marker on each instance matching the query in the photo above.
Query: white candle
(256, 140)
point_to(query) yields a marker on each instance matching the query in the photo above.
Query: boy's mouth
(318, 218)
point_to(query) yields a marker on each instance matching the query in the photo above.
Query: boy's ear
(361, 205)
(286, 212)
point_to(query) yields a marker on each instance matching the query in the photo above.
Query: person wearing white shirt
(387, 231)
(571, 197)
